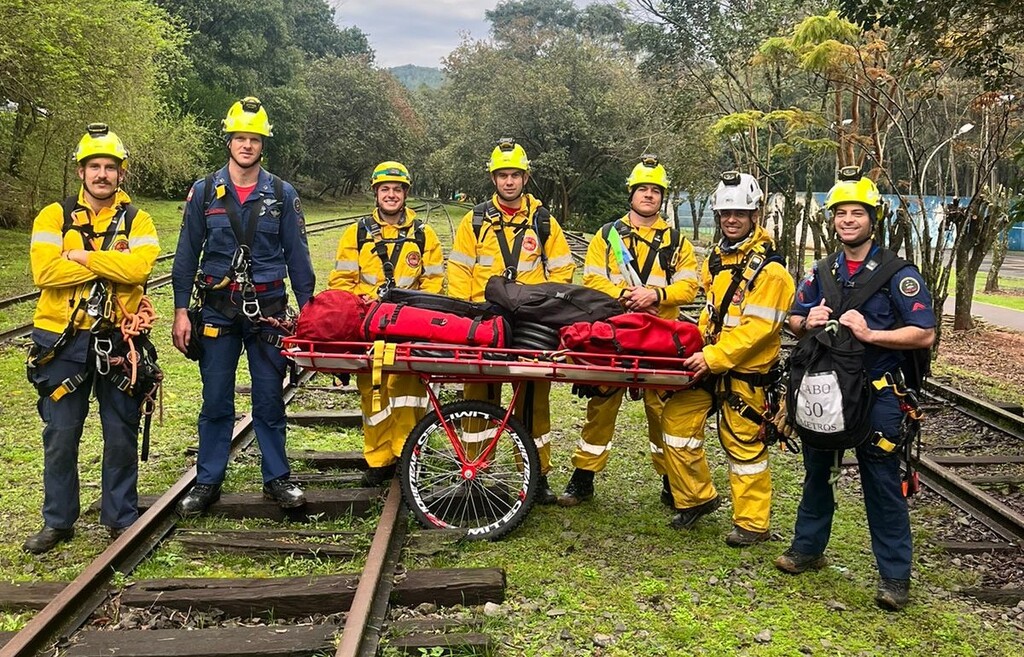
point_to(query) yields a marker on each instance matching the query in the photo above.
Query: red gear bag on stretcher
(401, 323)
(634, 333)
(332, 316)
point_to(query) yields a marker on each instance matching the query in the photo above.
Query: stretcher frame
(441, 363)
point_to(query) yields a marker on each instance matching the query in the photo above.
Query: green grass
(611, 566)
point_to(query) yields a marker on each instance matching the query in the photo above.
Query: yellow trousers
(596, 438)
(403, 403)
(750, 480)
(541, 409)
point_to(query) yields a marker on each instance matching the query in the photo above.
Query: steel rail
(976, 408)
(76, 602)
(361, 634)
(995, 515)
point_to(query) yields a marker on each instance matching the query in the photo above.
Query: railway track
(354, 606)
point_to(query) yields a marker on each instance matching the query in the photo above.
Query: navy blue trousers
(881, 481)
(64, 421)
(217, 366)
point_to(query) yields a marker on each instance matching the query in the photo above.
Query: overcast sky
(418, 32)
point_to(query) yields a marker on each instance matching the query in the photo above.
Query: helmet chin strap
(854, 245)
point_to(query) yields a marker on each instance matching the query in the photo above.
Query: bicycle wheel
(486, 499)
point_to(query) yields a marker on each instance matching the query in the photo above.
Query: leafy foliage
(63, 65)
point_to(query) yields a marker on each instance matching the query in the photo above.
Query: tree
(977, 34)
(258, 48)
(357, 116)
(578, 109)
(63, 65)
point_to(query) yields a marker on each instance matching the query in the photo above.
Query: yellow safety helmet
(508, 155)
(852, 188)
(648, 172)
(99, 140)
(247, 115)
(390, 171)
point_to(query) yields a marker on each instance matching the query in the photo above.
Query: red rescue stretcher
(470, 464)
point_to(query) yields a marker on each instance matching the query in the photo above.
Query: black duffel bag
(550, 304)
(440, 303)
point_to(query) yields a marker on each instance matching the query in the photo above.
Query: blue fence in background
(934, 208)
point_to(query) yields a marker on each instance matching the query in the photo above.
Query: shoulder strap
(668, 252)
(208, 192)
(419, 235)
(68, 205)
(278, 188)
(542, 226)
(480, 210)
(827, 278)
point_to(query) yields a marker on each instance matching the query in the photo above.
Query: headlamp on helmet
(736, 191)
(849, 173)
(98, 140)
(247, 115)
(648, 172)
(508, 155)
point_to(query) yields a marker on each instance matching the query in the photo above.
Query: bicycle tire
(488, 503)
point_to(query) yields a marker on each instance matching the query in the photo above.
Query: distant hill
(413, 77)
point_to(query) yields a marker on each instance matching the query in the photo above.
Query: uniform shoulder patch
(297, 205)
(909, 286)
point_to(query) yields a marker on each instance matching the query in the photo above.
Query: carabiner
(103, 347)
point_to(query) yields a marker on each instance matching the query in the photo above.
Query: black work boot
(740, 537)
(375, 477)
(198, 500)
(580, 488)
(892, 594)
(666, 493)
(544, 493)
(47, 539)
(794, 562)
(285, 492)
(686, 518)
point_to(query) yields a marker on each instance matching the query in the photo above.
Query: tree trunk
(998, 256)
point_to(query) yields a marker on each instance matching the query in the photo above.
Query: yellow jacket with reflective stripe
(749, 340)
(359, 270)
(601, 270)
(126, 265)
(475, 259)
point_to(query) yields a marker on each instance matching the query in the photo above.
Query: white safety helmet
(736, 191)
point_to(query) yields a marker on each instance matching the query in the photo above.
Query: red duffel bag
(397, 322)
(332, 316)
(634, 333)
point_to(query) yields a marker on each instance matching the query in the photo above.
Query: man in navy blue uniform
(241, 235)
(896, 318)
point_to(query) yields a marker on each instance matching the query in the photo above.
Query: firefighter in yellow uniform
(389, 248)
(91, 256)
(749, 291)
(650, 268)
(511, 235)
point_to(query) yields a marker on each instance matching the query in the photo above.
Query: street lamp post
(962, 130)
